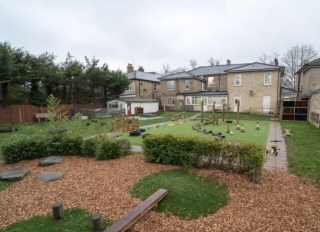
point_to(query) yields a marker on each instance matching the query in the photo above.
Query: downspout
(278, 92)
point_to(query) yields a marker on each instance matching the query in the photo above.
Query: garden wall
(26, 113)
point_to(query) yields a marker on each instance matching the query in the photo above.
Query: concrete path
(278, 162)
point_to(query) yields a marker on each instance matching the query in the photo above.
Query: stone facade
(310, 81)
(314, 110)
(179, 87)
(252, 92)
(216, 82)
(143, 89)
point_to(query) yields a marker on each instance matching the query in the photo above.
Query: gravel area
(283, 202)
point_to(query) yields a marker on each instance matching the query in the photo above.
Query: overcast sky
(155, 32)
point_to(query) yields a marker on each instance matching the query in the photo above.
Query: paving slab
(50, 176)
(280, 161)
(51, 160)
(15, 174)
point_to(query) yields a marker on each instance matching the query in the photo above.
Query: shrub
(112, 149)
(189, 151)
(64, 145)
(89, 147)
(24, 149)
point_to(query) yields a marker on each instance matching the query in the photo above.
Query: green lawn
(74, 220)
(243, 116)
(303, 149)
(251, 135)
(4, 185)
(189, 196)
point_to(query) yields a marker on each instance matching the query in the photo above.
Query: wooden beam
(128, 220)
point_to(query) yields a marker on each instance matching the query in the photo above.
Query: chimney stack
(140, 69)
(129, 68)
(228, 62)
(276, 62)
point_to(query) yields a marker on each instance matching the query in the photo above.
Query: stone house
(145, 85)
(308, 79)
(309, 88)
(255, 85)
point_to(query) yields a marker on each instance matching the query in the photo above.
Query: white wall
(148, 107)
(124, 105)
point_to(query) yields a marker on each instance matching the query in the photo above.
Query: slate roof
(146, 76)
(136, 100)
(180, 75)
(200, 72)
(314, 63)
(254, 67)
(204, 93)
(213, 70)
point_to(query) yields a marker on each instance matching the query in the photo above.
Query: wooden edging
(128, 220)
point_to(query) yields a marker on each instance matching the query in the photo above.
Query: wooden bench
(39, 116)
(128, 220)
(287, 132)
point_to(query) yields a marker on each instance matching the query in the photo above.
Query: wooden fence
(26, 113)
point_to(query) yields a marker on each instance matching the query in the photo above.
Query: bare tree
(269, 59)
(165, 69)
(296, 57)
(213, 62)
(193, 63)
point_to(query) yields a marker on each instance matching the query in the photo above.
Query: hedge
(38, 147)
(195, 152)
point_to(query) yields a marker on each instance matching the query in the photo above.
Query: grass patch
(303, 149)
(189, 196)
(74, 220)
(251, 135)
(4, 185)
(243, 116)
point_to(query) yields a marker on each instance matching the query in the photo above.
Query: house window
(196, 100)
(187, 84)
(267, 78)
(210, 81)
(237, 80)
(154, 86)
(188, 100)
(170, 101)
(170, 85)
(129, 88)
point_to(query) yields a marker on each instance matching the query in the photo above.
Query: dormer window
(237, 80)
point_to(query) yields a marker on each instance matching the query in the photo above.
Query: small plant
(54, 110)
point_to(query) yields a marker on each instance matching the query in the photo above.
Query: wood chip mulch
(283, 202)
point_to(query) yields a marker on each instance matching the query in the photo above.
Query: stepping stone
(51, 160)
(15, 174)
(49, 176)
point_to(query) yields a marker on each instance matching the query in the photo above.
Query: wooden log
(97, 222)
(128, 220)
(57, 210)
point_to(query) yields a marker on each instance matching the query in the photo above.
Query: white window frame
(170, 86)
(129, 88)
(170, 101)
(210, 80)
(266, 76)
(237, 80)
(187, 85)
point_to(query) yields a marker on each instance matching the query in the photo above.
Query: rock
(15, 174)
(49, 176)
(51, 160)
